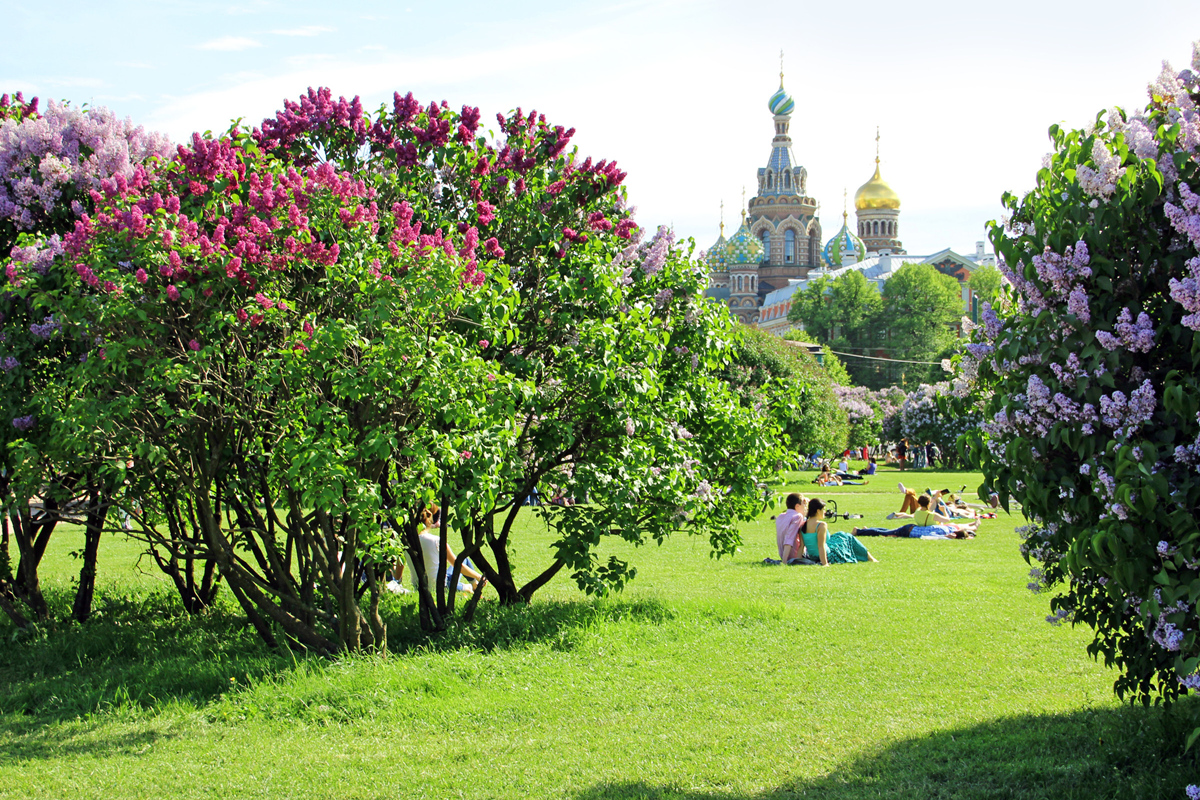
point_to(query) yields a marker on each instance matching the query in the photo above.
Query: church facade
(779, 241)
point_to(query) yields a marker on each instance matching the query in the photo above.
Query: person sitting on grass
(940, 523)
(430, 544)
(870, 470)
(787, 529)
(830, 548)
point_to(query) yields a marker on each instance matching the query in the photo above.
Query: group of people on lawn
(802, 535)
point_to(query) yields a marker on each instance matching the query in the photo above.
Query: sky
(674, 90)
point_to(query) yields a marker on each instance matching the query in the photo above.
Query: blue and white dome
(716, 255)
(781, 103)
(844, 248)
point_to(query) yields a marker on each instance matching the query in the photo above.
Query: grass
(930, 674)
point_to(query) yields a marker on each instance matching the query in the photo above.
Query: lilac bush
(1088, 376)
(862, 412)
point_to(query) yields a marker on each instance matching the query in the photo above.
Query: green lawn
(929, 674)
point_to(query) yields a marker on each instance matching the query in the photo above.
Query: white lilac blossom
(1100, 183)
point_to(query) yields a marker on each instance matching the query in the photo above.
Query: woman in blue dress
(830, 548)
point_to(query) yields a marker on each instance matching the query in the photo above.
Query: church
(779, 242)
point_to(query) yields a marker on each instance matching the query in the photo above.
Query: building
(778, 244)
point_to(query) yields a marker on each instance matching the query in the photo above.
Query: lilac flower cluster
(41, 157)
(656, 250)
(854, 400)
(47, 328)
(1136, 337)
(39, 257)
(9, 364)
(23, 423)
(1100, 183)
(1126, 417)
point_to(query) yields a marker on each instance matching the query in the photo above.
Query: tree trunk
(97, 512)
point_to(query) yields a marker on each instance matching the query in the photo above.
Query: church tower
(782, 217)
(877, 207)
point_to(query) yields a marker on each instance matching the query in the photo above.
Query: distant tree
(985, 282)
(920, 309)
(811, 308)
(765, 367)
(835, 370)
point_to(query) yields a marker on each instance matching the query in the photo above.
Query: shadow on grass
(554, 623)
(1128, 753)
(140, 653)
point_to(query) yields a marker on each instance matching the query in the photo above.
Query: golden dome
(875, 193)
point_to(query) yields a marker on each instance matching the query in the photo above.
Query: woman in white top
(430, 544)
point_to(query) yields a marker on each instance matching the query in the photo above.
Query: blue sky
(675, 91)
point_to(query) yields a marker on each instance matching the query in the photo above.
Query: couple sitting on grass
(806, 539)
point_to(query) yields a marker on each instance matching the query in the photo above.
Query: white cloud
(307, 30)
(229, 44)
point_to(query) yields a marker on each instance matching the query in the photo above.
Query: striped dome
(843, 243)
(743, 249)
(781, 103)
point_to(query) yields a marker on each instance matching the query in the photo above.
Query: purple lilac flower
(1193, 792)
(46, 329)
(656, 254)
(23, 423)
(9, 364)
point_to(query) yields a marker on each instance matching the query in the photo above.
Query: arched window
(875, 226)
(787, 180)
(789, 246)
(766, 243)
(739, 283)
(770, 181)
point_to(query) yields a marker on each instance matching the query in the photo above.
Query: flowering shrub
(49, 162)
(1088, 376)
(863, 413)
(932, 413)
(309, 332)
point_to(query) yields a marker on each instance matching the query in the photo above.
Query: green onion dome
(843, 243)
(715, 257)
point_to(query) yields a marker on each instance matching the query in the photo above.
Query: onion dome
(781, 103)
(845, 242)
(743, 249)
(715, 258)
(875, 193)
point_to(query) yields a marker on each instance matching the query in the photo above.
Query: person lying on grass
(952, 509)
(911, 531)
(826, 547)
(940, 523)
(827, 478)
